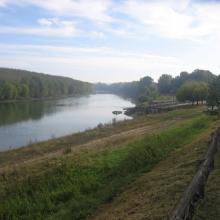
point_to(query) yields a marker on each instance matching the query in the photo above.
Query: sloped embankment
(209, 207)
(74, 184)
(194, 193)
(153, 195)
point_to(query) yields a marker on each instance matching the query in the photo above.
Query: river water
(27, 122)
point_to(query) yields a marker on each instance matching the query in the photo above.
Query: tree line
(198, 86)
(20, 84)
(140, 91)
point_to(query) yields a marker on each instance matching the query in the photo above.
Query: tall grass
(73, 188)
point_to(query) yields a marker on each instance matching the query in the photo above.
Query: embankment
(153, 195)
(72, 184)
(194, 193)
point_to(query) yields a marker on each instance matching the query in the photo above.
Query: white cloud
(79, 51)
(91, 64)
(45, 22)
(176, 20)
(66, 31)
(157, 17)
(95, 10)
(137, 19)
(172, 19)
(3, 3)
(48, 27)
(103, 63)
(54, 27)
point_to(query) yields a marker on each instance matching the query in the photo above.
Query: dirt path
(97, 145)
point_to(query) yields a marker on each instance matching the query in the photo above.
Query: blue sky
(110, 40)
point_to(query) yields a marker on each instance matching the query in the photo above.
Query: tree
(185, 93)
(200, 91)
(201, 75)
(24, 91)
(193, 91)
(23, 84)
(164, 84)
(197, 75)
(147, 89)
(145, 81)
(8, 91)
(141, 91)
(214, 93)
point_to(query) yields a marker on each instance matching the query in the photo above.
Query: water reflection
(37, 121)
(16, 112)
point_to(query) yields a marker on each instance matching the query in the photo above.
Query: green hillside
(20, 84)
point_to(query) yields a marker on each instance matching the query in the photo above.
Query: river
(22, 123)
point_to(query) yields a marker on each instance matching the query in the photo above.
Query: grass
(73, 186)
(153, 195)
(208, 208)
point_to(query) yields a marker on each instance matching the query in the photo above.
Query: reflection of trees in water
(16, 112)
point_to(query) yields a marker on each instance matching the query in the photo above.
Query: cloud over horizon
(133, 37)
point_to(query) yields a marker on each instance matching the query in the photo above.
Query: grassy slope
(72, 186)
(153, 195)
(209, 208)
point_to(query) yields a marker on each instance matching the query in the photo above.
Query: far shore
(42, 99)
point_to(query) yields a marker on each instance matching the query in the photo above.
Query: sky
(110, 40)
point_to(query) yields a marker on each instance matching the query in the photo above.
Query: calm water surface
(23, 123)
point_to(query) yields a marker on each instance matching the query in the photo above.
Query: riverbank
(156, 107)
(42, 99)
(148, 123)
(71, 177)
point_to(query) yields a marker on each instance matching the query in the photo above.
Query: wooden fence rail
(186, 206)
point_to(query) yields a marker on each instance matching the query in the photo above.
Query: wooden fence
(186, 206)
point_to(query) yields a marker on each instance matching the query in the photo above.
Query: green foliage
(169, 85)
(146, 90)
(214, 93)
(200, 91)
(19, 84)
(24, 91)
(143, 90)
(71, 188)
(164, 84)
(8, 91)
(193, 91)
(197, 75)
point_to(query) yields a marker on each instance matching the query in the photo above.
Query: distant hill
(22, 84)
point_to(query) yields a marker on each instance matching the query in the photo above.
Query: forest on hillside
(200, 85)
(20, 84)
